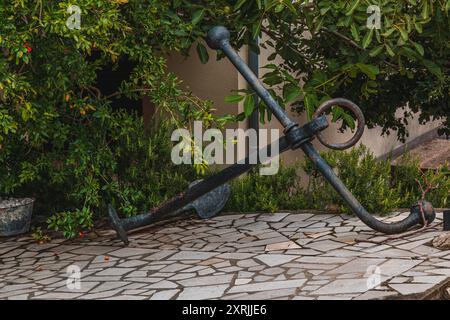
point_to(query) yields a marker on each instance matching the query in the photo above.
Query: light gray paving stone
(130, 252)
(298, 217)
(276, 217)
(411, 288)
(164, 294)
(275, 259)
(202, 293)
(324, 260)
(85, 287)
(272, 285)
(272, 271)
(114, 272)
(174, 267)
(58, 296)
(394, 267)
(375, 295)
(271, 294)
(241, 281)
(261, 278)
(132, 264)
(288, 245)
(343, 286)
(19, 297)
(193, 255)
(164, 284)
(399, 280)
(206, 281)
(358, 265)
(108, 286)
(325, 245)
(93, 250)
(429, 279)
(247, 263)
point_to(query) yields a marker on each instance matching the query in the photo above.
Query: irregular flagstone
(429, 279)
(411, 288)
(202, 293)
(164, 294)
(130, 252)
(275, 259)
(229, 258)
(325, 245)
(275, 217)
(272, 285)
(193, 255)
(393, 267)
(359, 265)
(93, 250)
(206, 281)
(288, 245)
(343, 286)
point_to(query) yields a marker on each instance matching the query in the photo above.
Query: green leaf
(419, 48)
(370, 70)
(367, 38)
(355, 33)
(433, 68)
(202, 53)
(280, 7)
(389, 50)
(388, 32)
(249, 105)
(349, 120)
(376, 51)
(291, 92)
(311, 102)
(239, 4)
(353, 8)
(403, 34)
(197, 16)
(234, 98)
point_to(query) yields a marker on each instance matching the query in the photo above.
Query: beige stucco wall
(217, 79)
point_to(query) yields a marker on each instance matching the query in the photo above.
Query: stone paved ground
(252, 256)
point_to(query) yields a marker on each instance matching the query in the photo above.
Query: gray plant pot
(15, 216)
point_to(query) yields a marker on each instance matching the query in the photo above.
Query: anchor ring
(346, 104)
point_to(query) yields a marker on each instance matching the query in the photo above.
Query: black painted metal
(165, 210)
(447, 220)
(295, 137)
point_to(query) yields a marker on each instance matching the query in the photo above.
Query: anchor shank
(256, 84)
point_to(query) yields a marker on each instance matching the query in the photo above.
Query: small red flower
(27, 46)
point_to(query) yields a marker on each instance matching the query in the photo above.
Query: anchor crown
(216, 36)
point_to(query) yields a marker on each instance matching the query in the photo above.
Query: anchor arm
(412, 220)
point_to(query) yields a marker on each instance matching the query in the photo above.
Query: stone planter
(15, 216)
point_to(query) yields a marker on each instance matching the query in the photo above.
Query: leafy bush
(61, 140)
(368, 179)
(267, 193)
(109, 156)
(408, 178)
(378, 187)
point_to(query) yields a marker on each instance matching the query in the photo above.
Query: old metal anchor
(296, 137)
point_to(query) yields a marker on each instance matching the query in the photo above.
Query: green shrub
(267, 193)
(368, 179)
(408, 178)
(111, 155)
(378, 187)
